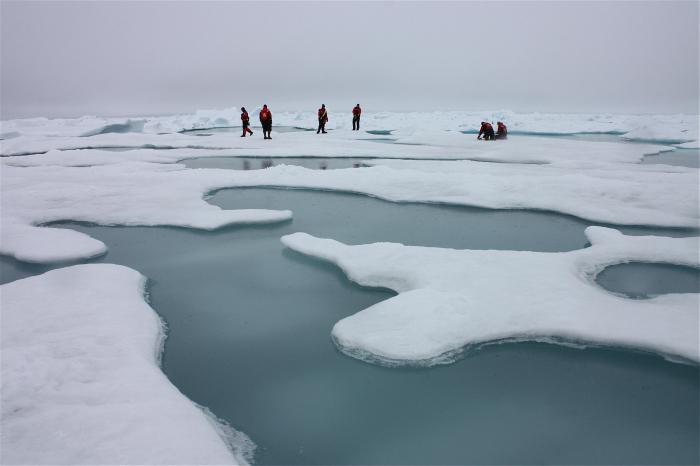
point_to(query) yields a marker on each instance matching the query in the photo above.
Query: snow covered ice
(81, 382)
(449, 299)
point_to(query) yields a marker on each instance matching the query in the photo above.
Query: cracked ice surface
(450, 299)
(81, 382)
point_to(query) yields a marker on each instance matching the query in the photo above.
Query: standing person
(487, 130)
(356, 112)
(501, 131)
(245, 119)
(266, 121)
(322, 119)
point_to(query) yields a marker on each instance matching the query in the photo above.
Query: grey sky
(128, 58)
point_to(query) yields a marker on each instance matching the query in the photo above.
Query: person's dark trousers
(356, 123)
(321, 126)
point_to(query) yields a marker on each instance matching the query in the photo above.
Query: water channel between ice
(249, 337)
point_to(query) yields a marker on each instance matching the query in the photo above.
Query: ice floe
(132, 193)
(450, 299)
(81, 382)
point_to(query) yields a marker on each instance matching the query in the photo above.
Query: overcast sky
(130, 58)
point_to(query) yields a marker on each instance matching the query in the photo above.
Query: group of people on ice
(486, 129)
(266, 120)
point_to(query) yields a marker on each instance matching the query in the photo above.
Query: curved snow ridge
(81, 380)
(129, 126)
(452, 300)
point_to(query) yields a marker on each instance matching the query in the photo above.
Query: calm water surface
(249, 337)
(643, 280)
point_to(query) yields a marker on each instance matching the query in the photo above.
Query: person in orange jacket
(356, 112)
(487, 130)
(501, 131)
(245, 119)
(322, 119)
(266, 121)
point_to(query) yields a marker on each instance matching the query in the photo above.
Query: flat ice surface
(81, 382)
(666, 128)
(449, 299)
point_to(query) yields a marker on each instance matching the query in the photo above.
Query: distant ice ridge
(451, 299)
(81, 382)
(654, 128)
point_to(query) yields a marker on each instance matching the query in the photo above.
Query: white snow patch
(81, 382)
(451, 299)
(664, 132)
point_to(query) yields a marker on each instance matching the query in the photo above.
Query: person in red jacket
(245, 119)
(356, 112)
(501, 131)
(266, 121)
(487, 130)
(322, 119)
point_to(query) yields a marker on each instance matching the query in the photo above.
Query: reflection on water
(255, 163)
(679, 157)
(248, 336)
(643, 280)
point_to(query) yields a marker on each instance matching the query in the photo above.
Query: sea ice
(661, 128)
(450, 299)
(588, 179)
(81, 382)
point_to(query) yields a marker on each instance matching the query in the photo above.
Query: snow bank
(664, 132)
(451, 299)
(81, 382)
(59, 126)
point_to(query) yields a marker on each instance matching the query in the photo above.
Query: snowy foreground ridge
(81, 382)
(451, 299)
